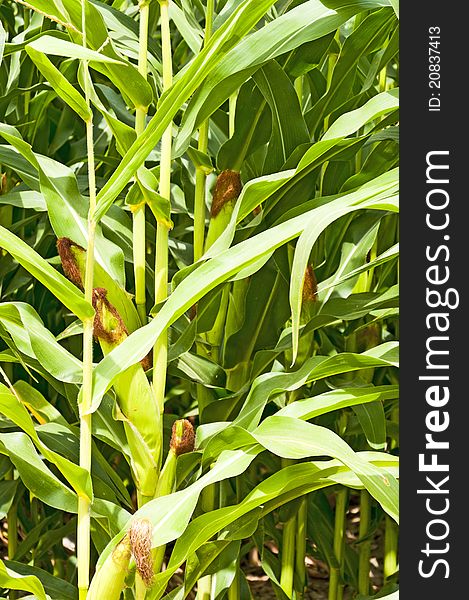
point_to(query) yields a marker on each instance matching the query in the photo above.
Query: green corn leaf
(204, 279)
(373, 422)
(12, 47)
(356, 245)
(266, 386)
(67, 208)
(321, 528)
(349, 123)
(387, 255)
(25, 199)
(32, 339)
(291, 438)
(295, 439)
(59, 82)
(12, 408)
(395, 5)
(188, 27)
(38, 478)
(3, 38)
(252, 129)
(246, 15)
(281, 487)
(288, 127)
(271, 434)
(57, 46)
(367, 38)
(124, 134)
(125, 76)
(267, 188)
(10, 579)
(337, 399)
(308, 21)
(170, 514)
(314, 369)
(230, 262)
(217, 558)
(57, 588)
(64, 440)
(41, 270)
(323, 217)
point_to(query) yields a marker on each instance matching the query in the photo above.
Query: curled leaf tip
(227, 189)
(140, 536)
(183, 437)
(108, 324)
(67, 250)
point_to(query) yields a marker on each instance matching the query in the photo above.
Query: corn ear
(306, 345)
(109, 580)
(182, 441)
(140, 412)
(227, 190)
(142, 424)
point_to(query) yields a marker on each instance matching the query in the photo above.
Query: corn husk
(139, 409)
(109, 581)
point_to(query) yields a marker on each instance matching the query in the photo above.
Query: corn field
(199, 299)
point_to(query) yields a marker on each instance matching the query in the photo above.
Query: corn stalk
(160, 352)
(83, 524)
(138, 212)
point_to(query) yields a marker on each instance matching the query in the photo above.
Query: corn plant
(199, 298)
